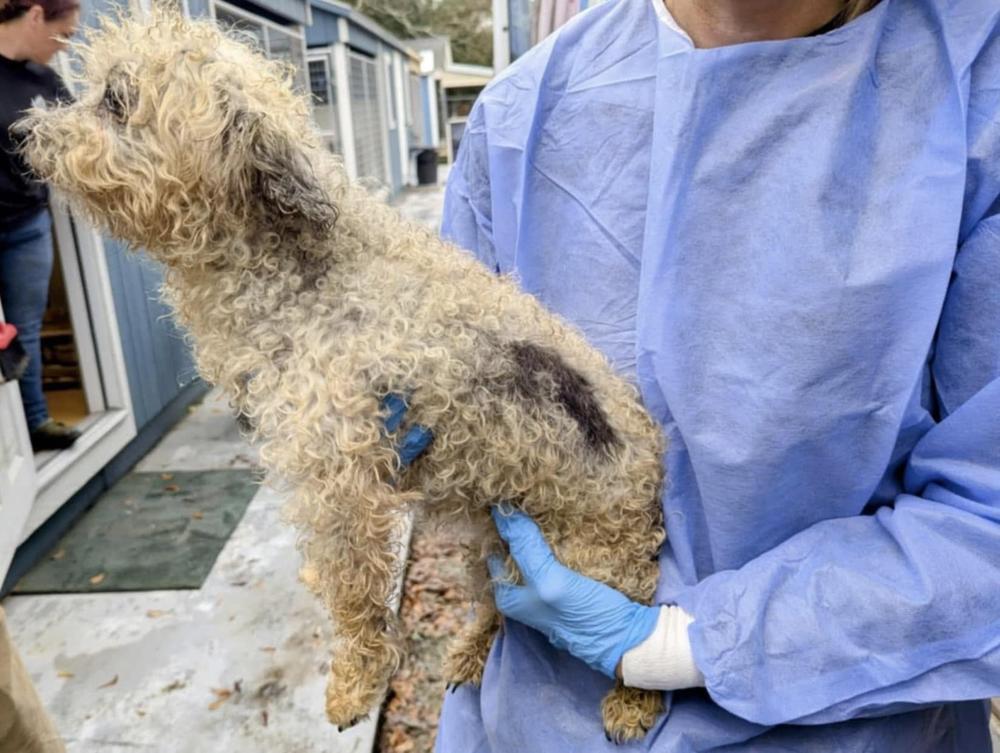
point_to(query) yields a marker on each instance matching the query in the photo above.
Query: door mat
(150, 531)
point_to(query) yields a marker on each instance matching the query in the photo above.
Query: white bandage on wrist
(664, 661)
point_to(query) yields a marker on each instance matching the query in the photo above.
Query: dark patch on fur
(244, 423)
(121, 97)
(311, 268)
(285, 186)
(242, 419)
(540, 374)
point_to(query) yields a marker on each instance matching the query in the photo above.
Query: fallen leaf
(58, 554)
(221, 696)
(263, 717)
(110, 683)
(238, 686)
(154, 613)
(166, 476)
(172, 488)
(96, 580)
(271, 689)
(64, 673)
(175, 685)
(238, 583)
(268, 649)
(140, 712)
(197, 515)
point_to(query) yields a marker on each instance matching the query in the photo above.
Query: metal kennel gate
(366, 110)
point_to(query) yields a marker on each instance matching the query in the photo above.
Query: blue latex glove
(417, 438)
(592, 621)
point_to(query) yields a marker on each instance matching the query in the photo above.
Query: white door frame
(111, 424)
(17, 472)
(501, 35)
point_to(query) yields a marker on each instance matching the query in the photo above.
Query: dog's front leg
(353, 549)
(468, 652)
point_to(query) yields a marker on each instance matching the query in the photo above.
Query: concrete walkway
(239, 665)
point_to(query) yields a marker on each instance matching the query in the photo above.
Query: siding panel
(324, 29)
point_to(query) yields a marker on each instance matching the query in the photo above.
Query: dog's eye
(118, 100)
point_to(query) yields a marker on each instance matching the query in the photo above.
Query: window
(247, 29)
(276, 42)
(323, 87)
(416, 107)
(288, 47)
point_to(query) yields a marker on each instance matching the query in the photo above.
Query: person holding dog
(781, 218)
(31, 33)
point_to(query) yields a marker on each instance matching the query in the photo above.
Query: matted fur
(309, 301)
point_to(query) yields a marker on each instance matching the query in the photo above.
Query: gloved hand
(417, 438)
(592, 621)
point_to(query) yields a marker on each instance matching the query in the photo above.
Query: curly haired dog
(309, 302)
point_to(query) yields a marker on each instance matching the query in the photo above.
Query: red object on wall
(7, 333)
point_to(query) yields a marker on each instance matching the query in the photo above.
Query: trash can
(427, 167)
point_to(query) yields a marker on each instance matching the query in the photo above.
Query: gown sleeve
(880, 613)
(467, 220)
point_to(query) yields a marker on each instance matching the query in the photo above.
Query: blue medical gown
(793, 248)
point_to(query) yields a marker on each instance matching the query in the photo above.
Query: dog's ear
(278, 181)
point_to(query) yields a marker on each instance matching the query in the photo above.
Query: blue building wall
(157, 359)
(362, 40)
(324, 31)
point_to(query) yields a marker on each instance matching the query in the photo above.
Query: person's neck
(717, 23)
(11, 42)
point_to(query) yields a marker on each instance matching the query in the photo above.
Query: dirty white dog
(310, 302)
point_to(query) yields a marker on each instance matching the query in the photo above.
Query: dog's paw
(354, 721)
(462, 667)
(345, 706)
(629, 713)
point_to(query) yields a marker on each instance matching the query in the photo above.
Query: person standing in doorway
(31, 33)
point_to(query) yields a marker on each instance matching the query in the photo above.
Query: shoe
(53, 435)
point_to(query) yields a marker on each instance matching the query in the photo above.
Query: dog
(309, 302)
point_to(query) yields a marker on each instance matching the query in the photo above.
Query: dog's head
(185, 141)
